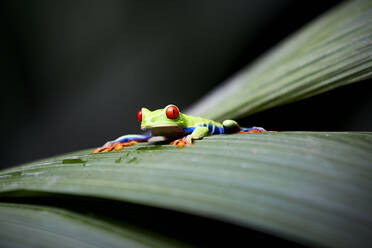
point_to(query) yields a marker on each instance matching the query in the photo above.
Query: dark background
(74, 73)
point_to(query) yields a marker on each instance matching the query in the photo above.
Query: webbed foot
(181, 142)
(114, 145)
(255, 130)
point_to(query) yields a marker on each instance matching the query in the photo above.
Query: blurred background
(75, 73)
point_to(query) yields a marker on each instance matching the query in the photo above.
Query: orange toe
(175, 142)
(97, 150)
(118, 147)
(252, 131)
(129, 143)
(108, 149)
(179, 143)
(101, 149)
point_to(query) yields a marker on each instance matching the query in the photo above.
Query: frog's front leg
(198, 133)
(121, 142)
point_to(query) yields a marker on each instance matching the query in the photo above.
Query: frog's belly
(169, 131)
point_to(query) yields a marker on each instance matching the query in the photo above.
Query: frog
(181, 129)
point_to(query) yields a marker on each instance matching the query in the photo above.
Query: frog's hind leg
(252, 130)
(121, 142)
(231, 126)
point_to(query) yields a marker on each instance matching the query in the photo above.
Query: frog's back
(193, 122)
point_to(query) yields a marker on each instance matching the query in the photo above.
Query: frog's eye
(172, 112)
(139, 115)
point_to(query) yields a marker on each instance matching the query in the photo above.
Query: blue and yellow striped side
(212, 129)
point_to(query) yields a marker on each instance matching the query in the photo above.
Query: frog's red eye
(139, 115)
(172, 112)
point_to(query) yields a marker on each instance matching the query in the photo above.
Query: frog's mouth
(165, 130)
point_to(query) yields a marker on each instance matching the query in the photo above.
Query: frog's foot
(181, 142)
(114, 145)
(253, 130)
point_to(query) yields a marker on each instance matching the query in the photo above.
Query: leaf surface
(309, 186)
(24, 225)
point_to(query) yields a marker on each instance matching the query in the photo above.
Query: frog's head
(162, 122)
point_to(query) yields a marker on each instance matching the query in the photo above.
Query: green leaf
(304, 186)
(332, 51)
(308, 187)
(39, 226)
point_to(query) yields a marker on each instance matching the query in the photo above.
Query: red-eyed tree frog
(180, 128)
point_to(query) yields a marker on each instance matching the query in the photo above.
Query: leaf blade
(280, 182)
(24, 225)
(332, 51)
